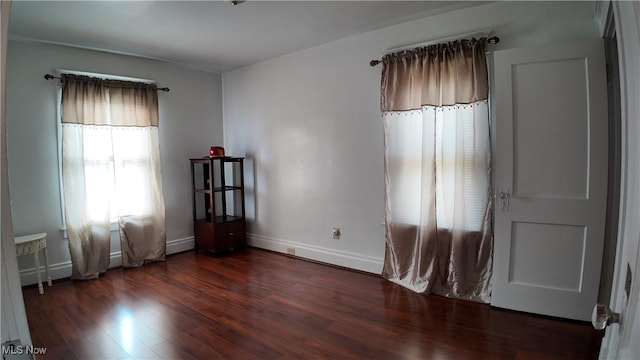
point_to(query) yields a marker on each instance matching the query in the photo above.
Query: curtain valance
(131, 103)
(435, 75)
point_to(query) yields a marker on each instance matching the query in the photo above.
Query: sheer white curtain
(111, 172)
(437, 170)
(448, 146)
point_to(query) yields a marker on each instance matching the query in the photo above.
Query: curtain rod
(51, 77)
(492, 40)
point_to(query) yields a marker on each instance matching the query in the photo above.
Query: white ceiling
(210, 35)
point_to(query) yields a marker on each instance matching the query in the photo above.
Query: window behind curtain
(100, 145)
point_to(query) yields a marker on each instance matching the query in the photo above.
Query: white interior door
(550, 178)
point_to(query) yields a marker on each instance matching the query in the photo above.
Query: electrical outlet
(336, 233)
(291, 251)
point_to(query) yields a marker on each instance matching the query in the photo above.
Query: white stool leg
(37, 261)
(46, 265)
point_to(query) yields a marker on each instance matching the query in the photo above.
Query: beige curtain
(437, 170)
(111, 172)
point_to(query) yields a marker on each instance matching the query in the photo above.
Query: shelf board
(203, 191)
(206, 159)
(227, 188)
(229, 218)
(220, 219)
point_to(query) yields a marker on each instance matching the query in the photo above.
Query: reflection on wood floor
(262, 305)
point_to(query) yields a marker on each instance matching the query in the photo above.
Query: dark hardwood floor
(255, 304)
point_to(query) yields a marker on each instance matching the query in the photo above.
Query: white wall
(309, 124)
(190, 122)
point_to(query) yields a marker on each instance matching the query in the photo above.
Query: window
(455, 160)
(125, 197)
(107, 150)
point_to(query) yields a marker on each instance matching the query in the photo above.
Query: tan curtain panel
(437, 170)
(437, 75)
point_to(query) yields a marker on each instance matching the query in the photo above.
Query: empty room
(320, 179)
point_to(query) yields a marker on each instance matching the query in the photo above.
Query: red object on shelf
(216, 151)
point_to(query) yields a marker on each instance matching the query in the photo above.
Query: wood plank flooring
(255, 304)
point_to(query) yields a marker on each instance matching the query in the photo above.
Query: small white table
(32, 244)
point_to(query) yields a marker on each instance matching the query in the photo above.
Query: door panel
(562, 268)
(551, 165)
(536, 109)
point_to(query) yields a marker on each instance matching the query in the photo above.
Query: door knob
(504, 198)
(602, 317)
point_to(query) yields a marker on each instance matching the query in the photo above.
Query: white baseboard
(346, 259)
(63, 269)
(180, 245)
(57, 271)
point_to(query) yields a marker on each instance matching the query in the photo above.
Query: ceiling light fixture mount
(236, 2)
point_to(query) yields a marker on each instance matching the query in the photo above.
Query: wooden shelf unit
(217, 187)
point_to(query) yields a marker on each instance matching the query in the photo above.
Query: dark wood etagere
(217, 186)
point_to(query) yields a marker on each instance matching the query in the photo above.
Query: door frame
(613, 183)
(616, 342)
(14, 317)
